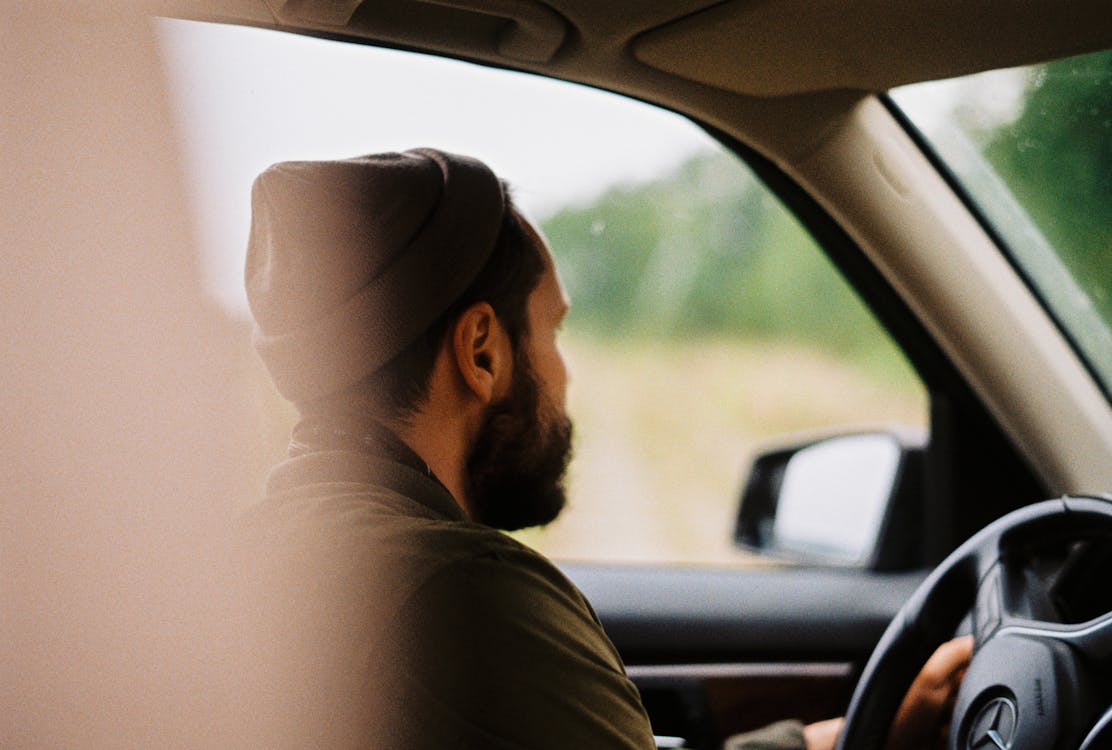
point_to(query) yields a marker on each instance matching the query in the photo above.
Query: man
(411, 313)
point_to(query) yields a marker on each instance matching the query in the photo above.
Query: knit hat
(350, 261)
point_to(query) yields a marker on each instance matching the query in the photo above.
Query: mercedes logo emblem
(994, 727)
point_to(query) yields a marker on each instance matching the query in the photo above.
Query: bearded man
(411, 313)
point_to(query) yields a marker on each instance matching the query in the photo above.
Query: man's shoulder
(458, 627)
(376, 535)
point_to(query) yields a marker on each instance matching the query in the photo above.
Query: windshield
(1032, 148)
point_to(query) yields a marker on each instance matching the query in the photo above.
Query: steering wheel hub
(994, 726)
(1018, 692)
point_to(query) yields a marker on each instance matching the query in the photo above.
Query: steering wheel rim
(971, 579)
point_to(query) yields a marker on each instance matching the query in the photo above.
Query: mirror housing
(850, 500)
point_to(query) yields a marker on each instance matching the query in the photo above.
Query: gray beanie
(350, 261)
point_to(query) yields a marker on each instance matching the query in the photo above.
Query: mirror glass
(834, 497)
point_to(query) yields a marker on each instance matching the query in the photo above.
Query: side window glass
(706, 324)
(705, 321)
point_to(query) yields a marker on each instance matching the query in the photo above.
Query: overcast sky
(248, 97)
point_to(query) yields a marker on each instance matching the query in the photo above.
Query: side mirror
(848, 500)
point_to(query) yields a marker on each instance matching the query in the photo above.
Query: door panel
(719, 651)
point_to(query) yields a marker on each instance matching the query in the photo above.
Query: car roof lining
(799, 46)
(790, 46)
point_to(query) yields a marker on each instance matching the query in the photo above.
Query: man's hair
(509, 276)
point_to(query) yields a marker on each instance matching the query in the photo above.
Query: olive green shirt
(381, 617)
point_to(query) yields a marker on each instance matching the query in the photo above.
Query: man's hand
(923, 719)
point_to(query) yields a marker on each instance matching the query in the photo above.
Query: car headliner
(757, 48)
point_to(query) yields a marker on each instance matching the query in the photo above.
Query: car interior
(127, 430)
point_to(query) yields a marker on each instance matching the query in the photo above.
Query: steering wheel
(1033, 682)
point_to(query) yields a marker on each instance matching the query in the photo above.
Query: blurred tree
(1057, 158)
(706, 251)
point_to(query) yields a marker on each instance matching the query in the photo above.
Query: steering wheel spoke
(988, 612)
(1092, 639)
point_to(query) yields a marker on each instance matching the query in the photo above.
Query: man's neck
(444, 457)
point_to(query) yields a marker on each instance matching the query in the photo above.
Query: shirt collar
(388, 464)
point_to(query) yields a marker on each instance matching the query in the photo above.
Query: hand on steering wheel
(923, 719)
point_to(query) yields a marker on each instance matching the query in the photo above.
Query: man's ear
(482, 352)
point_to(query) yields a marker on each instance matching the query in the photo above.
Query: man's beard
(516, 466)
